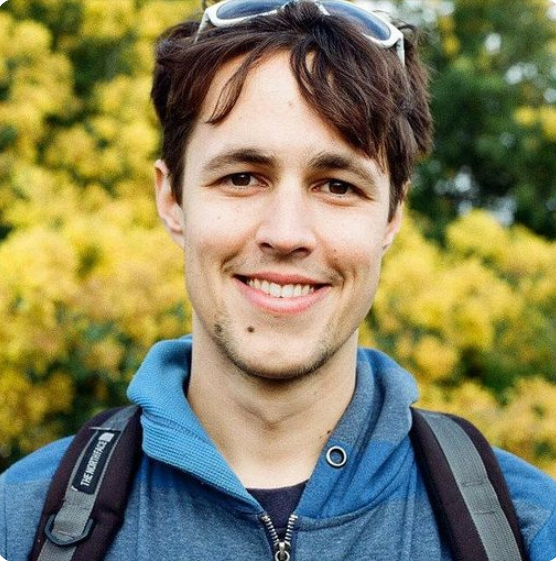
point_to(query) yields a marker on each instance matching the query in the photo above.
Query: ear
(392, 228)
(169, 209)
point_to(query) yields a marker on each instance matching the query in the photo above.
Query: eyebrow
(333, 161)
(239, 156)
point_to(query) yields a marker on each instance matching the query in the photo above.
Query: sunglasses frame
(396, 39)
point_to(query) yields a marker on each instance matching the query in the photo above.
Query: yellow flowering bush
(81, 304)
(475, 321)
(107, 20)
(34, 94)
(523, 424)
(88, 278)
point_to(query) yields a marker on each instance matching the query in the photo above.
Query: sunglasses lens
(247, 8)
(374, 26)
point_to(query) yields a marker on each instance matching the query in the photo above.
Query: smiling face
(283, 225)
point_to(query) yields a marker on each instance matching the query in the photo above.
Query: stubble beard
(230, 347)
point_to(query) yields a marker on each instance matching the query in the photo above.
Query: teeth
(287, 291)
(279, 291)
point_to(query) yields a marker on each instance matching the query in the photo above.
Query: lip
(281, 306)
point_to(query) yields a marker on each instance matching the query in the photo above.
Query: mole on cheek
(251, 329)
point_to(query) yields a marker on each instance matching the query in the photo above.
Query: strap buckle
(48, 530)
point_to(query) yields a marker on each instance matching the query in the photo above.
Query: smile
(280, 291)
(286, 296)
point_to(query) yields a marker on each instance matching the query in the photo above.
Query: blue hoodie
(188, 505)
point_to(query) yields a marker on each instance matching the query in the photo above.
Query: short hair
(378, 106)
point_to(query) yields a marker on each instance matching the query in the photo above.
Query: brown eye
(339, 187)
(241, 179)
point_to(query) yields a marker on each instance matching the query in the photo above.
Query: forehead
(270, 113)
(269, 79)
(273, 127)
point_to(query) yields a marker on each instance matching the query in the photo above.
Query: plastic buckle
(71, 541)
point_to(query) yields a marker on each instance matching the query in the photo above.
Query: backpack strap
(86, 501)
(467, 489)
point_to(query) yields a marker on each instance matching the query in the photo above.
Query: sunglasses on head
(377, 29)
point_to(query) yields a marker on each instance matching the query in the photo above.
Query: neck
(271, 432)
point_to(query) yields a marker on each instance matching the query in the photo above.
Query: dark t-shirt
(279, 504)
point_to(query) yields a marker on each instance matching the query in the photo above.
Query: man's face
(284, 226)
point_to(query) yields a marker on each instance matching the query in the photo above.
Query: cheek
(202, 244)
(211, 236)
(356, 243)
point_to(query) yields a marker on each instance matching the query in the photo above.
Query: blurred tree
(482, 307)
(74, 92)
(494, 106)
(88, 279)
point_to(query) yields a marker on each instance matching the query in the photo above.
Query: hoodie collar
(373, 432)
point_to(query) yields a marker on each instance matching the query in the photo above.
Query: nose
(286, 226)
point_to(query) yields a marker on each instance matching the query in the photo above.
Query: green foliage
(493, 100)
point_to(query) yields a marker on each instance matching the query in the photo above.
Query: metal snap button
(336, 456)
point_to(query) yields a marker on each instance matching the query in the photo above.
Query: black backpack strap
(467, 489)
(86, 501)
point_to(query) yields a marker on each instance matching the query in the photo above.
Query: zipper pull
(282, 548)
(283, 553)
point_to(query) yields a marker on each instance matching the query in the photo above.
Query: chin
(272, 365)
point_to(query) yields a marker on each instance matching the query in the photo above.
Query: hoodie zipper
(282, 548)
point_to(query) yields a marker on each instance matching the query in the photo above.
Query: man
(289, 141)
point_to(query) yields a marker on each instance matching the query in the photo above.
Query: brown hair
(363, 91)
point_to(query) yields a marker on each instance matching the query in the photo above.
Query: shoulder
(29, 479)
(23, 489)
(37, 466)
(534, 496)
